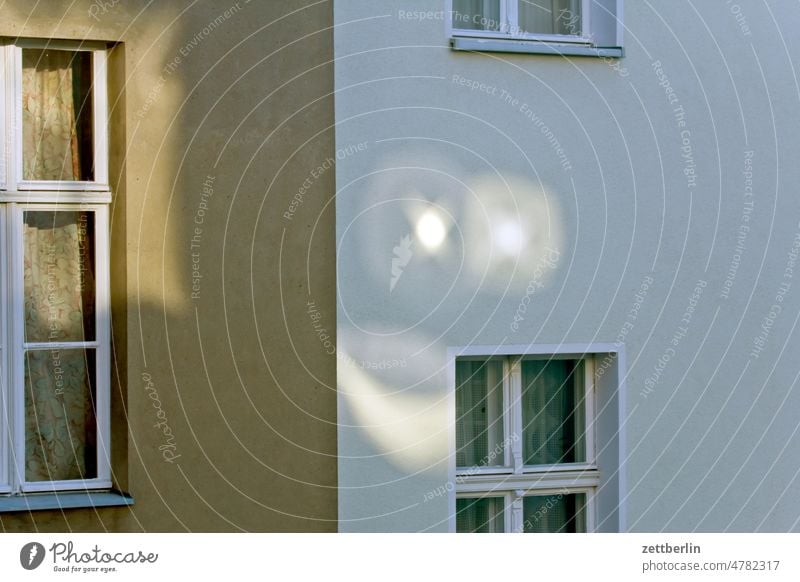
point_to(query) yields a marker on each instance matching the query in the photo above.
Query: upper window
(577, 27)
(565, 20)
(54, 314)
(55, 122)
(524, 455)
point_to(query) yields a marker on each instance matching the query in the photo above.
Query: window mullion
(9, 115)
(589, 407)
(517, 511)
(5, 407)
(586, 26)
(15, 322)
(3, 120)
(591, 508)
(515, 408)
(100, 112)
(15, 117)
(103, 331)
(508, 431)
(509, 16)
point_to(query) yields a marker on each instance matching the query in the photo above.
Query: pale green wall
(253, 414)
(619, 209)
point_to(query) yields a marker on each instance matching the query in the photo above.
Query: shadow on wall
(227, 399)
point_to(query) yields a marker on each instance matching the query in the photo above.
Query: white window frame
(509, 26)
(17, 196)
(101, 345)
(515, 480)
(5, 361)
(97, 190)
(6, 122)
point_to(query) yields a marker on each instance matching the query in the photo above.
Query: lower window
(525, 453)
(557, 512)
(55, 348)
(554, 513)
(480, 515)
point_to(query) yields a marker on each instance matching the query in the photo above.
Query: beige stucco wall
(218, 119)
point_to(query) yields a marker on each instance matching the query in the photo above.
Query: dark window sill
(66, 500)
(488, 45)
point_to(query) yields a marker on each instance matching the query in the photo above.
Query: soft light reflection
(509, 237)
(407, 428)
(513, 228)
(431, 230)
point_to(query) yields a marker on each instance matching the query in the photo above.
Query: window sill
(64, 196)
(66, 500)
(492, 45)
(553, 480)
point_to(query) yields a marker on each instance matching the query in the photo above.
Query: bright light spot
(430, 230)
(509, 237)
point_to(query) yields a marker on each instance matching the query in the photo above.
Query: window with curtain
(479, 414)
(479, 515)
(552, 414)
(540, 410)
(554, 513)
(55, 316)
(476, 14)
(59, 291)
(57, 139)
(520, 18)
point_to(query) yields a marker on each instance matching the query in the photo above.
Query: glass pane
(476, 14)
(550, 17)
(552, 412)
(479, 515)
(479, 413)
(557, 513)
(60, 424)
(57, 115)
(59, 276)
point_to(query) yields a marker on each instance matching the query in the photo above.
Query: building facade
(399, 266)
(582, 263)
(214, 400)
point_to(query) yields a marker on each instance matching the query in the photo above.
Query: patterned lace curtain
(52, 102)
(60, 426)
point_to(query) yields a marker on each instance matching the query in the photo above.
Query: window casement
(54, 266)
(55, 131)
(578, 27)
(525, 444)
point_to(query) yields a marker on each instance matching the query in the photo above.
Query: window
(524, 444)
(54, 318)
(561, 20)
(580, 27)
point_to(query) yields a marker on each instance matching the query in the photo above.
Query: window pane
(60, 424)
(476, 14)
(59, 276)
(57, 115)
(550, 16)
(479, 515)
(479, 413)
(552, 412)
(556, 513)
